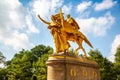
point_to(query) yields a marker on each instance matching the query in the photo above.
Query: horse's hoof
(76, 53)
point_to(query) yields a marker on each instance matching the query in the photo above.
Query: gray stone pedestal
(70, 67)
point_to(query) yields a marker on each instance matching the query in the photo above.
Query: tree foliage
(117, 62)
(2, 62)
(28, 65)
(107, 70)
(2, 58)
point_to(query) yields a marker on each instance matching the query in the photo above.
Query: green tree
(2, 58)
(2, 70)
(40, 65)
(27, 65)
(19, 68)
(117, 62)
(3, 74)
(107, 71)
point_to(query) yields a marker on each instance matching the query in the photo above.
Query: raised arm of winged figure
(52, 23)
(43, 20)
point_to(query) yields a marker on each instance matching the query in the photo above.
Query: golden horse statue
(64, 31)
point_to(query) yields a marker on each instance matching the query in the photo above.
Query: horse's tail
(85, 39)
(88, 42)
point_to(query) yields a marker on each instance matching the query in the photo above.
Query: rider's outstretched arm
(43, 20)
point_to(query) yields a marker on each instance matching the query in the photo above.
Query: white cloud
(67, 8)
(83, 6)
(14, 23)
(31, 27)
(10, 14)
(17, 40)
(97, 26)
(45, 7)
(1, 65)
(105, 4)
(115, 44)
(111, 58)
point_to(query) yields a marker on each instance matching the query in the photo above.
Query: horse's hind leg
(76, 51)
(85, 54)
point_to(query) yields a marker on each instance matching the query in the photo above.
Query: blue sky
(20, 28)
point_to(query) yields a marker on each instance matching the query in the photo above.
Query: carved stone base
(70, 67)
